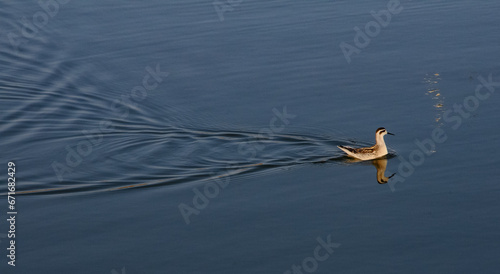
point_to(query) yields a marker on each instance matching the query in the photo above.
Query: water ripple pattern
(53, 108)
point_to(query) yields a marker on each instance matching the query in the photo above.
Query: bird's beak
(390, 133)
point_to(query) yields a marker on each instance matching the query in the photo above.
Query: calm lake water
(201, 137)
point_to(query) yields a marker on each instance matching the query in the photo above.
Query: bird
(369, 153)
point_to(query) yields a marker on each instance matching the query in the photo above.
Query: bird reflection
(381, 166)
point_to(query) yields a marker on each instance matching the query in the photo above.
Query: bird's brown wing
(363, 150)
(359, 150)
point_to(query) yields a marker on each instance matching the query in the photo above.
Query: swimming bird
(369, 153)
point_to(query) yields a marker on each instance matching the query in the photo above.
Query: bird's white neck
(380, 142)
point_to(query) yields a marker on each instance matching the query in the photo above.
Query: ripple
(53, 106)
(148, 157)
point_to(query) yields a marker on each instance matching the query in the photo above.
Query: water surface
(250, 108)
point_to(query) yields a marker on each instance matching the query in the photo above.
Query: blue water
(193, 137)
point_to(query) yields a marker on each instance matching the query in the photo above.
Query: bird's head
(382, 132)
